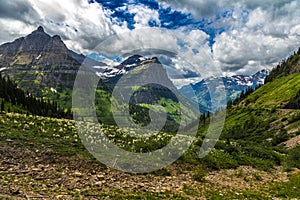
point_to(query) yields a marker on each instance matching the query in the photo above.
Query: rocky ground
(40, 174)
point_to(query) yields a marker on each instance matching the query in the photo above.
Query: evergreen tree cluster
(286, 67)
(242, 96)
(11, 93)
(294, 103)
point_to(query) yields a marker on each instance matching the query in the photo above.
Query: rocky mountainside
(43, 65)
(37, 48)
(147, 82)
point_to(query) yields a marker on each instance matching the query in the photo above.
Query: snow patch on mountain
(234, 85)
(121, 69)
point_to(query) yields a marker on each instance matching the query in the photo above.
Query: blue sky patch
(169, 18)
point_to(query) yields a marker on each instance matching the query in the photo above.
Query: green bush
(200, 173)
(293, 157)
(258, 163)
(280, 137)
(218, 159)
(288, 190)
(294, 118)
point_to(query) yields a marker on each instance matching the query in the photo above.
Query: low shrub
(218, 159)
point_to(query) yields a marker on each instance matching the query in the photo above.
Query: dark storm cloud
(18, 10)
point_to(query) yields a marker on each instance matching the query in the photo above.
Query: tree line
(14, 97)
(285, 67)
(242, 96)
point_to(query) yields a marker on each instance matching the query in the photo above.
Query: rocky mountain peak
(40, 29)
(234, 85)
(39, 32)
(132, 60)
(37, 48)
(128, 64)
(56, 37)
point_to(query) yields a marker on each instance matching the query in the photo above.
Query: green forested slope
(263, 128)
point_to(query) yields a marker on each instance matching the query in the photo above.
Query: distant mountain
(43, 65)
(234, 85)
(127, 65)
(148, 82)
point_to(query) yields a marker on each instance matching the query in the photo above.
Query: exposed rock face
(41, 64)
(37, 48)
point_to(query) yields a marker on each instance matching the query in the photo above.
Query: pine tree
(229, 103)
(2, 106)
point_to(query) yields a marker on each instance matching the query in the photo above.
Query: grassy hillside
(258, 131)
(275, 94)
(15, 99)
(43, 158)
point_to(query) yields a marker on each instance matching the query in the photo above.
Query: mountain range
(233, 86)
(45, 67)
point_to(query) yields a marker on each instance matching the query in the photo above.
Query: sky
(198, 38)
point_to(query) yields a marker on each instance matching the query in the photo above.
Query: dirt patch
(245, 177)
(293, 142)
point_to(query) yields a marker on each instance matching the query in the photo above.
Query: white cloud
(12, 29)
(198, 36)
(81, 25)
(198, 8)
(256, 18)
(179, 83)
(266, 4)
(143, 15)
(258, 38)
(18, 10)
(257, 34)
(91, 22)
(269, 35)
(139, 39)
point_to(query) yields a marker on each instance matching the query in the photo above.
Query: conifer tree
(2, 106)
